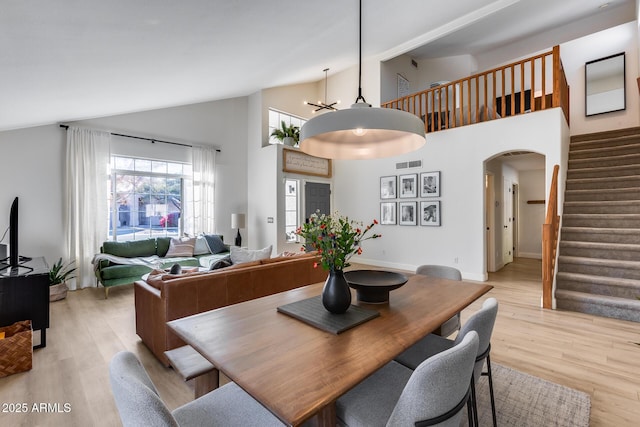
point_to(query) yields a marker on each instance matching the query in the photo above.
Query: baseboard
(529, 255)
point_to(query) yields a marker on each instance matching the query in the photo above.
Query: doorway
(513, 224)
(317, 197)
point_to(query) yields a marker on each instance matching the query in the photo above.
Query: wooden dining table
(296, 370)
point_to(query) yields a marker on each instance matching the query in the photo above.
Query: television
(13, 234)
(13, 263)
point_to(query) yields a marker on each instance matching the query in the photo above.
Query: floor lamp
(237, 221)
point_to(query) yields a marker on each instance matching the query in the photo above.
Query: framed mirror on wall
(605, 85)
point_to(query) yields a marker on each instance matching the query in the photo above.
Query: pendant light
(323, 105)
(362, 132)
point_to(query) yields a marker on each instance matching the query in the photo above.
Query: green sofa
(129, 261)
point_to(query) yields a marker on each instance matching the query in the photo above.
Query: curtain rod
(153, 140)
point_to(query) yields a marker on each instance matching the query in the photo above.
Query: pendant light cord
(360, 97)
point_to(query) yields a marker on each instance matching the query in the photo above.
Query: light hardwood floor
(596, 355)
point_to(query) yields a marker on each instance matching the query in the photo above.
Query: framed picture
(430, 184)
(388, 187)
(388, 213)
(403, 86)
(296, 161)
(408, 213)
(408, 186)
(430, 213)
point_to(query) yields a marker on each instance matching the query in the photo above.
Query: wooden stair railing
(550, 230)
(508, 90)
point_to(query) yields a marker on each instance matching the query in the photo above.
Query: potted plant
(336, 239)
(58, 276)
(288, 135)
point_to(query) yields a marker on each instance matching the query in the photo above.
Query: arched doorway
(514, 207)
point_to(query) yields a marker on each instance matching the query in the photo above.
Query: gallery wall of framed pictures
(425, 185)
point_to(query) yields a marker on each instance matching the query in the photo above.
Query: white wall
(389, 71)
(623, 38)
(531, 186)
(32, 170)
(33, 164)
(462, 234)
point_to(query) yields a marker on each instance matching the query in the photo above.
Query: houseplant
(58, 275)
(289, 135)
(336, 239)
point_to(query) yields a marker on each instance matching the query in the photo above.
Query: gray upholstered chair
(139, 404)
(444, 272)
(481, 322)
(433, 394)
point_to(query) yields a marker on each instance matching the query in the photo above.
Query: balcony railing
(532, 84)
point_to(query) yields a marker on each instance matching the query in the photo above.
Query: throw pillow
(181, 248)
(201, 247)
(221, 263)
(240, 255)
(215, 243)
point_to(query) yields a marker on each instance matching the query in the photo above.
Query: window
(291, 210)
(145, 198)
(275, 119)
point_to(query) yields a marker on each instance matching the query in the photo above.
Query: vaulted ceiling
(75, 59)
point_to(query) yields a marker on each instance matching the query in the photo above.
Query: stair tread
(599, 190)
(601, 168)
(603, 245)
(606, 262)
(606, 136)
(601, 230)
(601, 215)
(609, 300)
(604, 178)
(601, 202)
(612, 281)
(615, 156)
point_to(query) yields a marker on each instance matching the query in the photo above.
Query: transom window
(145, 198)
(275, 122)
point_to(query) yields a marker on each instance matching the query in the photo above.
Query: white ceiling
(68, 60)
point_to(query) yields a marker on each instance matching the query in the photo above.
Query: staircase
(599, 258)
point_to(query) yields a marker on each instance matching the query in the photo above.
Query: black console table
(24, 295)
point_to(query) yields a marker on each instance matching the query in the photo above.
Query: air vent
(409, 164)
(414, 63)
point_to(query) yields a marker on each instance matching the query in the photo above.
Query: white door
(507, 222)
(489, 201)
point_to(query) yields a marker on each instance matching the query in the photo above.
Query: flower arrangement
(336, 238)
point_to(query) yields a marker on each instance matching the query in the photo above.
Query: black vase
(336, 295)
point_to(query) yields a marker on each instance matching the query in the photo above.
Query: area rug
(524, 400)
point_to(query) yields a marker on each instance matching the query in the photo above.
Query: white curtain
(86, 196)
(201, 219)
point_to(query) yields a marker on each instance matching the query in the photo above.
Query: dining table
(298, 371)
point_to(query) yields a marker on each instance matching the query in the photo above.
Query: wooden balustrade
(550, 230)
(508, 90)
